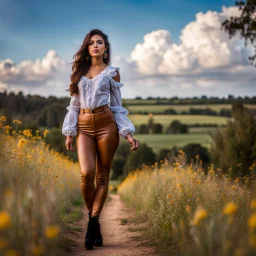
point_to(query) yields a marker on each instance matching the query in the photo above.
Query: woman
(97, 122)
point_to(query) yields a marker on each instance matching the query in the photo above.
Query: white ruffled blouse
(94, 93)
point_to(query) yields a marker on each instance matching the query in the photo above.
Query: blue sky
(37, 26)
(29, 29)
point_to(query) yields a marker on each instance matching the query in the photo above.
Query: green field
(196, 134)
(165, 120)
(179, 108)
(159, 141)
(201, 130)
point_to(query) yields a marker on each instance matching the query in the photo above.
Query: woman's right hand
(132, 141)
(69, 143)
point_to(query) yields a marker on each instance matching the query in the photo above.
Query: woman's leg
(86, 149)
(106, 147)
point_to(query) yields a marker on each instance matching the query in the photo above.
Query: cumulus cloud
(203, 46)
(32, 71)
(205, 61)
(50, 74)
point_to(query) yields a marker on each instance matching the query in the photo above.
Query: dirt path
(117, 239)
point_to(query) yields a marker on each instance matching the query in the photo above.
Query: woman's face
(96, 46)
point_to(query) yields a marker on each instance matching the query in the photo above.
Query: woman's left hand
(132, 141)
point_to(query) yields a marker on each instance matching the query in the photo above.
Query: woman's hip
(97, 123)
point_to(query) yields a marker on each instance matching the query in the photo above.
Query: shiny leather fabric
(97, 140)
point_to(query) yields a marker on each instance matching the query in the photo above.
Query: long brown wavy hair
(80, 64)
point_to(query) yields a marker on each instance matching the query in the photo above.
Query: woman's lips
(95, 50)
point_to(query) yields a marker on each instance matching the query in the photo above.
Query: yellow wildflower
(52, 231)
(252, 221)
(7, 128)
(27, 132)
(188, 209)
(200, 214)
(230, 208)
(17, 121)
(45, 133)
(172, 201)
(234, 187)
(2, 119)
(5, 220)
(22, 143)
(253, 204)
(37, 250)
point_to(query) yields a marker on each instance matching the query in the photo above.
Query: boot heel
(98, 242)
(97, 237)
(88, 243)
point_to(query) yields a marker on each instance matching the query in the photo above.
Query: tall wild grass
(37, 186)
(190, 213)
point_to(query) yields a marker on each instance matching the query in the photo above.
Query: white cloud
(34, 71)
(50, 74)
(205, 61)
(203, 46)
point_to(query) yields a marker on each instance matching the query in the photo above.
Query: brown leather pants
(97, 140)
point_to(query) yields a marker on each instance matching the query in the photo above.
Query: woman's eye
(98, 42)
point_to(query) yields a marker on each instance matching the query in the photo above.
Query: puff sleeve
(70, 121)
(124, 124)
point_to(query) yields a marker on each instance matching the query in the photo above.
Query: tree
(157, 128)
(143, 155)
(234, 148)
(245, 24)
(143, 128)
(122, 152)
(177, 127)
(193, 149)
(168, 154)
(150, 123)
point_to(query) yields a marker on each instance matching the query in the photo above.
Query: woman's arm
(69, 127)
(125, 127)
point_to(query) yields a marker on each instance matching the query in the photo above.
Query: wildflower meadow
(37, 187)
(190, 213)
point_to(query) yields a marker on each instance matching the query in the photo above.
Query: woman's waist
(94, 110)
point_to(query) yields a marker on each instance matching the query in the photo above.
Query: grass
(159, 141)
(190, 213)
(123, 221)
(39, 190)
(201, 130)
(165, 120)
(179, 108)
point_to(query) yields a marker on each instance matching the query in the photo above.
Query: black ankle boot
(97, 237)
(88, 243)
